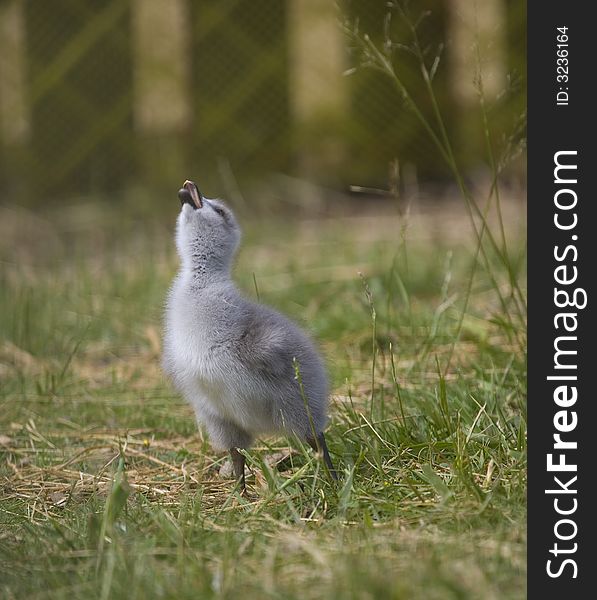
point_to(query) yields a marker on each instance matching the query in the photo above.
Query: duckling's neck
(204, 269)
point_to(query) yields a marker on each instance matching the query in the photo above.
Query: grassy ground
(107, 489)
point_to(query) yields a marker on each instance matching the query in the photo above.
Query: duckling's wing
(268, 344)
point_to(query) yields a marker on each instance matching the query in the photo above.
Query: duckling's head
(207, 234)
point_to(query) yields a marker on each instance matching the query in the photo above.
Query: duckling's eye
(221, 212)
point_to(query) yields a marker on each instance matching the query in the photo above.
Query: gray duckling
(235, 361)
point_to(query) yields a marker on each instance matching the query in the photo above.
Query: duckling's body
(236, 361)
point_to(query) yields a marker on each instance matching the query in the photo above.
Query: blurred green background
(100, 97)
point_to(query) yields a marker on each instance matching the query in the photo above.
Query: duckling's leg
(238, 463)
(227, 435)
(318, 444)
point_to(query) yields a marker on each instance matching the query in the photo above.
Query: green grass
(107, 489)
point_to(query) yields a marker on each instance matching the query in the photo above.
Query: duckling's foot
(238, 464)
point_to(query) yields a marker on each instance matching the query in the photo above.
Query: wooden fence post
(477, 27)
(15, 122)
(318, 91)
(162, 105)
(476, 34)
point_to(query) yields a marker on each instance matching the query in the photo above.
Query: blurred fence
(99, 95)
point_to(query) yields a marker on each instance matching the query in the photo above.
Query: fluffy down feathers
(232, 359)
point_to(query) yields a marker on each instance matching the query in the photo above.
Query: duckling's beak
(190, 194)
